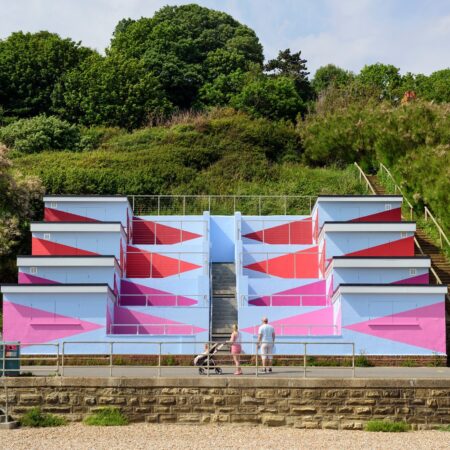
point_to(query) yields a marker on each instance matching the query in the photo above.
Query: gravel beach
(165, 436)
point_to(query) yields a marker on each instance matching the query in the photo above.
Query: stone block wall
(310, 403)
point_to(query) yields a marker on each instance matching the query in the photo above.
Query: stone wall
(310, 403)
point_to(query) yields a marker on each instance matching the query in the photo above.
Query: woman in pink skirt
(236, 348)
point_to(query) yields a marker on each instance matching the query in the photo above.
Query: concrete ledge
(228, 382)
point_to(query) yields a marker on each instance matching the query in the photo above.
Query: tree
(272, 97)
(438, 84)
(186, 47)
(30, 66)
(291, 65)
(330, 75)
(114, 91)
(385, 79)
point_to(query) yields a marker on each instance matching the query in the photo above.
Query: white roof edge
(364, 227)
(380, 262)
(363, 198)
(54, 289)
(392, 289)
(76, 226)
(67, 261)
(85, 199)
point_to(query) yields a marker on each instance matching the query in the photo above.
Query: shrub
(40, 133)
(106, 417)
(36, 418)
(387, 426)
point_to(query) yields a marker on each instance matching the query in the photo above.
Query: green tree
(113, 91)
(438, 85)
(330, 75)
(272, 97)
(385, 79)
(291, 65)
(30, 66)
(186, 47)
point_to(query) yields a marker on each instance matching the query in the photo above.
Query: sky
(413, 35)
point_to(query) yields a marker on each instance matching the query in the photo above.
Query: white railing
(362, 176)
(286, 300)
(154, 272)
(161, 300)
(221, 204)
(297, 358)
(442, 236)
(294, 237)
(155, 232)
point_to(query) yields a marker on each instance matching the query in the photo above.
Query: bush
(106, 417)
(387, 426)
(36, 418)
(40, 133)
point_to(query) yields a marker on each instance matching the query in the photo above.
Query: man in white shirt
(266, 339)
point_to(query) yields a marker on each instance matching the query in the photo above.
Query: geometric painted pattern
(31, 325)
(55, 215)
(42, 247)
(301, 264)
(391, 215)
(298, 232)
(420, 327)
(26, 278)
(148, 232)
(400, 247)
(143, 264)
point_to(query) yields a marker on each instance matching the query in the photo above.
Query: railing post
(111, 359)
(209, 203)
(256, 359)
(310, 204)
(259, 205)
(207, 359)
(184, 205)
(159, 360)
(133, 204)
(285, 205)
(159, 204)
(353, 360)
(62, 359)
(57, 358)
(304, 360)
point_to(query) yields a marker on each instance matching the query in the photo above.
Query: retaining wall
(311, 403)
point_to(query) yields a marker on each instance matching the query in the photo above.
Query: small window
(413, 271)
(387, 206)
(403, 234)
(33, 270)
(47, 236)
(53, 205)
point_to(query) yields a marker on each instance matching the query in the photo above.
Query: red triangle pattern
(143, 264)
(150, 233)
(55, 215)
(391, 215)
(42, 247)
(302, 264)
(401, 247)
(298, 232)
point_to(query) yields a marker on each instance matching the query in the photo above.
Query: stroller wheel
(201, 371)
(218, 370)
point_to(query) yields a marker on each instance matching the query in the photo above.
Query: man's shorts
(266, 350)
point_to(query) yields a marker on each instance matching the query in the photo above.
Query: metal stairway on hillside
(224, 306)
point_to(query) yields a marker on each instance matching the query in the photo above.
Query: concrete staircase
(224, 306)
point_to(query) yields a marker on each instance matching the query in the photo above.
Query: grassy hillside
(223, 152)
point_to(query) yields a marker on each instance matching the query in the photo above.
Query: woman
(236, 348)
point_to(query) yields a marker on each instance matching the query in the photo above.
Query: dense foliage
(40, 133)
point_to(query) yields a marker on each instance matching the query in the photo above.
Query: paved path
(279, 372)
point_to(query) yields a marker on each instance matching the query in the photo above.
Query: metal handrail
(162, 296)
(209, 198)
(363, 175)
(164, 326)
(440, 230)
(271, 297)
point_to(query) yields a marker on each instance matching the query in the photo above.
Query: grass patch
(387, 426)
(362, 361)
(107, 417)
(408, 363)
(37, 419)
(444, 428)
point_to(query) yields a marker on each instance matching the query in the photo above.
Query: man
(266, 339)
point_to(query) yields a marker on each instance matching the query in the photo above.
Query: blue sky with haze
(411, 34)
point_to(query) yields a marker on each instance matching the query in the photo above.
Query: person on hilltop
(236, 348)
(266, 340)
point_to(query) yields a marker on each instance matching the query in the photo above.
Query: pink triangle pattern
(420, 327)
(127, 321)
(32, 326)
(130, 296)
(313, 323)
(312, 294)
(418, 279)
(26, 278)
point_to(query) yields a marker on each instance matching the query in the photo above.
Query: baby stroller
(201, 361)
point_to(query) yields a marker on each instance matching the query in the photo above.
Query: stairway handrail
(441, 232)
(363, 175)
